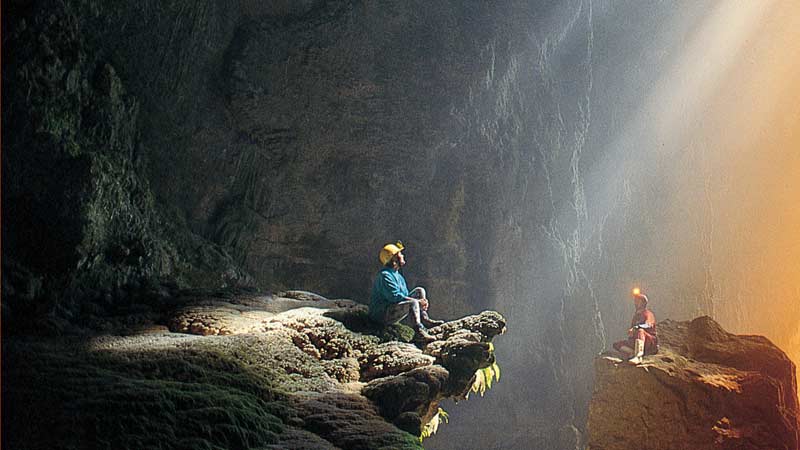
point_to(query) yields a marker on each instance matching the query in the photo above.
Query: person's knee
(640, 334)
(419, 293)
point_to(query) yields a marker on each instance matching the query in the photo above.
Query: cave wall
(83, 235)
(280, 144)
(293, 139)
(302, 137)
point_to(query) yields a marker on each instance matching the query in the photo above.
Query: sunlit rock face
(705, 154)
(319, 134)
(289, 371)
(520, 149)
(294, 139)
(314, 134)
(705, 389)
(299, 137)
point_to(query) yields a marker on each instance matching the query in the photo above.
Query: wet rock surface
(240, 371)
(705, 389)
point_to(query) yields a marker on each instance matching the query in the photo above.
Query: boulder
(705, 389)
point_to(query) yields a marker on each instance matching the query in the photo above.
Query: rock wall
(81, 227)
(157, 145)
(705, 389)
(293, 140)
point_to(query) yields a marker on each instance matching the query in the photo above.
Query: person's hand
(630, 332)
(423, 303)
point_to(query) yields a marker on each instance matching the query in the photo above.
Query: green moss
(357, 320)
(430, 428)
(169, 400)
(396, 332)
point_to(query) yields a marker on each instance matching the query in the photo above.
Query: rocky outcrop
(705, 389)
(292, 370)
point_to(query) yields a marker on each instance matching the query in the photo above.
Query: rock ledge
(705, 389)
(292, 370)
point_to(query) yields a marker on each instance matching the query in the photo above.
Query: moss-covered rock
(277, 372)
(180, 396)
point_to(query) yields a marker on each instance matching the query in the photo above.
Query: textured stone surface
(244, 371)
(269, 135)
(86, 234)
(242, 313)
(156, 145)
(705, 389)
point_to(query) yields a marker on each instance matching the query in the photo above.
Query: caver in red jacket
(643, 327)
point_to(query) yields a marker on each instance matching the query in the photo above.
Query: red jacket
(645, 316)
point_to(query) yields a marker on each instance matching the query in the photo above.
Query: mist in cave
(675, 173)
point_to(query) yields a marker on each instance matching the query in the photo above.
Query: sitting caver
(392, 302)
(642, 336)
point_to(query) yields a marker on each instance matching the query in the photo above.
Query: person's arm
(648, 323)
(392, 290)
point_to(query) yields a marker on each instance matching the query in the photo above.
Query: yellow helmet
(389, 250)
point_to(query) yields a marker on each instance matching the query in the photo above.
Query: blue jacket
(389, 287)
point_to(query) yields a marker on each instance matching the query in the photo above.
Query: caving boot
(421, 335)
(638, 352)
(428, 322)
